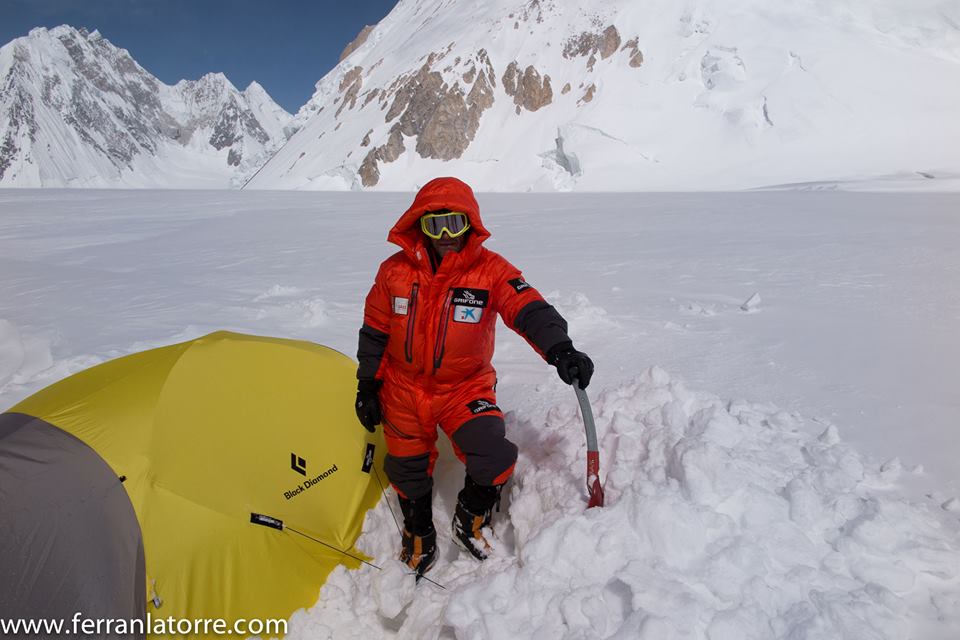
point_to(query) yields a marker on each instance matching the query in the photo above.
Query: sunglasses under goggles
(434, 224)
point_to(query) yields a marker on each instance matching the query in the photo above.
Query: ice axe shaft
(594, 490)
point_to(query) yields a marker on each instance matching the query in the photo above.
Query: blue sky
(285, 45)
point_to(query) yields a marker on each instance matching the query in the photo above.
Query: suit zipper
(442, 333)
(411, 321)
(397, 432)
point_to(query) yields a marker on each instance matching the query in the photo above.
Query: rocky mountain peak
(434, 107)
(543, 94)
(79, 110)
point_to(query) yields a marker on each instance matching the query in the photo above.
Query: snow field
(779, 502)
(723, 520)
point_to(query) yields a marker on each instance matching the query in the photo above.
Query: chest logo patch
(400, 305)
(469, 304)
(470, 297)
(470, 315)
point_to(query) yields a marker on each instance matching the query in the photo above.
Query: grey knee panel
(486, 448)
(410, 475)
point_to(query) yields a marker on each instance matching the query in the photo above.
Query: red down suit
(428, 335)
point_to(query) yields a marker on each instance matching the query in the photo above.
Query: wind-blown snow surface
(772, 370)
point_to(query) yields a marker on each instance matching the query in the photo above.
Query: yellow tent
(243, 461)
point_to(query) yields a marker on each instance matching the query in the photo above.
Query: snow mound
(27, 363)
(21, 357)
(302, 312)
(723, 519)
(583, 316)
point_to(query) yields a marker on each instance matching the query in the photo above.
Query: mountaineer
(424, 352)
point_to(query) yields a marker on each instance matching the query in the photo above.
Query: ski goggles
(434, 224)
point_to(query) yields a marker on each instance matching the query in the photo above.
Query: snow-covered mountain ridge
(80, 112)
(628, 94)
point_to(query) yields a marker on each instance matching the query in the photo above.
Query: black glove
(571, 364)
(368, 404)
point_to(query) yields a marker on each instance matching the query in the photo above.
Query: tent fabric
(210, 431)
(56, 555)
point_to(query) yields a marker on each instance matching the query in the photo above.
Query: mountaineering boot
(419, 541)
(474, 508)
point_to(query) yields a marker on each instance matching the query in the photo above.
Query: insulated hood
(439, 193)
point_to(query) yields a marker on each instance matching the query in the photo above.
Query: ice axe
(594, 490)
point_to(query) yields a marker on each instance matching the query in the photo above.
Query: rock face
(78, 111)
(528, 89)
(435, 107)
(633, 50)
(443, 118)
(387, 152)
(590, 44)
(350, 86)
(357, 42)
(588, 94)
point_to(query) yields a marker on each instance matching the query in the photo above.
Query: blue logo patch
(470, 315)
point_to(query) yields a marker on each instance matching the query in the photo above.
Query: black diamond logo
(298, 464)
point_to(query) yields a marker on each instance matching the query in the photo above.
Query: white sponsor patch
(463, 313)
(400, 306)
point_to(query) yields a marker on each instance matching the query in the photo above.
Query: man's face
(446, 244)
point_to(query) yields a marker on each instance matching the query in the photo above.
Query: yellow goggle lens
(454, 224)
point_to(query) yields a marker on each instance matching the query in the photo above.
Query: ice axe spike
(594, 489)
